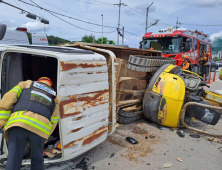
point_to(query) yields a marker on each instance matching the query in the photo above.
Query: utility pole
(177, 24)
(44, 28)
(123, 36)
(102, 29)
(119, 5)
(147, 11)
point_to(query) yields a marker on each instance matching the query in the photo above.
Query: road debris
(51, 153)
(180, 159)
(164, 129)
(83, 165)
(220, 148)
(131, 140)
(194, 135)
(180, 134)
(167, 165)
(212, 139)
(112, 155)
(146, 137)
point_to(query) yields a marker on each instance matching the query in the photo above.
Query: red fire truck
(176, 43)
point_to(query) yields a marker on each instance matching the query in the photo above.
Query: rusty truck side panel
(124, 53)
(84, 102)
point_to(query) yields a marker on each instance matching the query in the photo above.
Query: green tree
(88, 38)
(56, 40)
(105, 40)
(111, 42)
(216, 59)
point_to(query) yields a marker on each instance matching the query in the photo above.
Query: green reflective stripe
(4, 117)
(54, 119)
(7, 112)
(40, 97)
(221, 73)
(17, 89)
(30, 121)
(18, 113)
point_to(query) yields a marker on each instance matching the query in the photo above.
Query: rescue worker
(186, 64)
(220, 74)
(29, 113)
(204, 59)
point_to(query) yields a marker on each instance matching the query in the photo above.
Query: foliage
(89, 39)
(56, 40)
(111, 42)
(216, 59)
(99, 41)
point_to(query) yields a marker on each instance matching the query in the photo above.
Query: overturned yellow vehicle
(175, 97)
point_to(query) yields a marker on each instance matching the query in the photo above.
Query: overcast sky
(191, 14)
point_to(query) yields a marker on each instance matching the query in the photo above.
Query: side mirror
(183, 49)
(2, 31)
(187, 47)
(140, 42)
(189, 40)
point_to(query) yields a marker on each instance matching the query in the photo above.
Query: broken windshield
(169, 45)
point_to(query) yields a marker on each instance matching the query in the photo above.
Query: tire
(124, 117)
(148, 63)
(213, 69)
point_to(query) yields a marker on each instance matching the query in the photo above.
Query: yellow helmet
(186, 57)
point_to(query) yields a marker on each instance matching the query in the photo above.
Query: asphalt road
(161, 147)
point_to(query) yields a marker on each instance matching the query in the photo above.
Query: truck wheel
(148, 63)
(213, 69)
(124, 117)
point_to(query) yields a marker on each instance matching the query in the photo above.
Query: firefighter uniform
(29, 113)
(220, 74)
(204, 60)
(186, 64)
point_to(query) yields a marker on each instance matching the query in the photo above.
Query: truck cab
(176, 43)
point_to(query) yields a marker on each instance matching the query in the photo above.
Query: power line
(65, 10)
(64, 15)
(69, 22)
(145, 16)
(132, 33)
(29, 13)
(68, 16)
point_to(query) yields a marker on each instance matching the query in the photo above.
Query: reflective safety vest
(39, 98)
(186, 65)
(18, 117)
